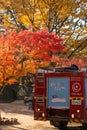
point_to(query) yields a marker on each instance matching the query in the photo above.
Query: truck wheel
(56, 123)
(51, 122)
(84, 125)
(63, 124)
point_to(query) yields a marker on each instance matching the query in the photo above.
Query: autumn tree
(67, 18)
(25, 52)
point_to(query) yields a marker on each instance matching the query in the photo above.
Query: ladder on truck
(40, 98)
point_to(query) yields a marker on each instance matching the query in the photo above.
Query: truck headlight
(78, 110)
(38, 109)
(43, 114)
(72, 115)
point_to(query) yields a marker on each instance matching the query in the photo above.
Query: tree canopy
(25, 48)
(25, 52)
(68, 18)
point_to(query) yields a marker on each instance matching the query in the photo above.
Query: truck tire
(60, 124)
(63, 124)
(84, 125)
(51, 122)
(56, 123)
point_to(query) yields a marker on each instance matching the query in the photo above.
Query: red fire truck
(61, 97)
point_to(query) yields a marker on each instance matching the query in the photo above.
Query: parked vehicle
(61, 96)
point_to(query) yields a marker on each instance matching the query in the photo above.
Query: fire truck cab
(61, 96)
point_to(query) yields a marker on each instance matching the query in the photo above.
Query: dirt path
(20, 111)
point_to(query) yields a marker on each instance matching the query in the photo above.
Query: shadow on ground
(73, 128)
(16, 107)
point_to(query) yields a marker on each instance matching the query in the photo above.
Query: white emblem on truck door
(76, 87)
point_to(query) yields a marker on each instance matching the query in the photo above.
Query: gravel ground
(20, 111)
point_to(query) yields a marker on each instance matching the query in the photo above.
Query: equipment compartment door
(58, 92)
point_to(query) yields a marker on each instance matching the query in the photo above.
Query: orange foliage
(81, 62)
(25, 51)
(11, 81)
